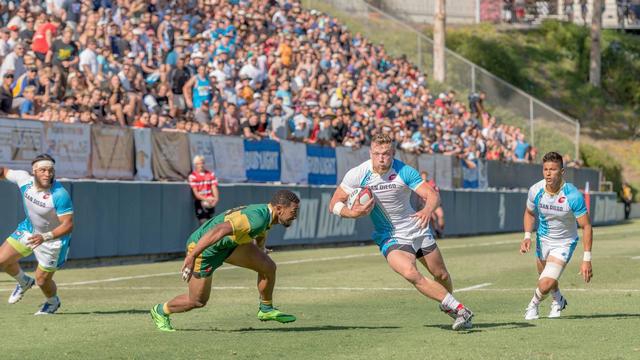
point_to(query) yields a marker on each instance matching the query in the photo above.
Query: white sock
(537, 297)
(21, 278)
(449, 302)
(52, 300)
(557, 295)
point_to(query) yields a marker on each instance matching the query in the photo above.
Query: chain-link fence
(545, 127)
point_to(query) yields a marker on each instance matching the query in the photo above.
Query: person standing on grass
(402, 234)
(557, 206)
(46, 231)
(237, 237)
(627, 199)
(204, 186)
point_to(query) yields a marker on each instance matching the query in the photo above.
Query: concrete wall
(128, 218)
(518, 175)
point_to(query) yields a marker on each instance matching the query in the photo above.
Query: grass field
(350, 306)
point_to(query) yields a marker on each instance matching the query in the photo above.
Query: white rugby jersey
(392, 212)
(557, 213)
(41, 208)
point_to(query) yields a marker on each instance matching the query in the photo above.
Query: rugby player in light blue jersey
(401, 232)
(557, 206)
(45, 232)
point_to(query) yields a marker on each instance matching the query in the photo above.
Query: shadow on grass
(479, 327)
(297, 329)
(113, 312)
(601, 316)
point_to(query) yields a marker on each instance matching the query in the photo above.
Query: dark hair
(553, 157)
(43, 157)
(285, 198)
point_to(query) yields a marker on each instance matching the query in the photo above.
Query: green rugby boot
(275, 314)
(162, 321)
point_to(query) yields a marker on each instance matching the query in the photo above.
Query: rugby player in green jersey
(236, 237)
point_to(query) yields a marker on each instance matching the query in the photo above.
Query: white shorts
(419, 246)
(51, 255)
(562, 252)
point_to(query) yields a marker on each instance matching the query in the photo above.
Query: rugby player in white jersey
(557, 206)
(402, 234)
(45, 232)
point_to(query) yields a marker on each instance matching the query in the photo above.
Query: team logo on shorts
(561, 199)
(207, 270)
(18, 233)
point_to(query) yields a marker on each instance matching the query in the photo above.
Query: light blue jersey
(556, 213)
(42, 209)
(392, 214)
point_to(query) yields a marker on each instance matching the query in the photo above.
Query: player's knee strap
(552, 271)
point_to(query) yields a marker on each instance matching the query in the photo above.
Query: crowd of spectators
(257, 69)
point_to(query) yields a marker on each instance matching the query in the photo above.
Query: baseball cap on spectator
(197, 55)
(328, 114)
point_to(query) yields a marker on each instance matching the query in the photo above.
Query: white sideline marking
(479, 287)
(635, 258)
(474, 287)
(289, 262)
(299, 288)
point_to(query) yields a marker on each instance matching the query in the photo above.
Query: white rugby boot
(557, 307)
(531, 312)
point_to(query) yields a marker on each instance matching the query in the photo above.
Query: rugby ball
(361, 194)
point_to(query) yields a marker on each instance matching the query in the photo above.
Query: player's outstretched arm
(432, 201)
(587, 242)
(210, 238)
(338, 206)
(65, 228)
(529, 223)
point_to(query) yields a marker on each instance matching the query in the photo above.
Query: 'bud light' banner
(262, 160)
(322, 165)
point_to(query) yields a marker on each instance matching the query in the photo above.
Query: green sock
(266, 306)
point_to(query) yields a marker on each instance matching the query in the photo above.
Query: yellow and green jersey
(248, 223)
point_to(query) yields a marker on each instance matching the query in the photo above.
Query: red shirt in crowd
(203, 182)
(40, 44)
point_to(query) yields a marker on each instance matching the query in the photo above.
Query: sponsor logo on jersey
(392, 176)
(561, 199)
(551, 207)
(46, 196)
(377, 187)
(35, 201)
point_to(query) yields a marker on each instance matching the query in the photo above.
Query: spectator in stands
(520, 148)
(239, 68)
(6, 95)
(204, 187)
(14, 62)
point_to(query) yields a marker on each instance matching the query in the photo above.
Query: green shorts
(212, 257)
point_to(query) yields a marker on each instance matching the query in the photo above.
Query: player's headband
(43, 164)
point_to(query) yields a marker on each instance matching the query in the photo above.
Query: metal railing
(545, 127)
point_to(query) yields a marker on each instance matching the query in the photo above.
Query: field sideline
(349, 306)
